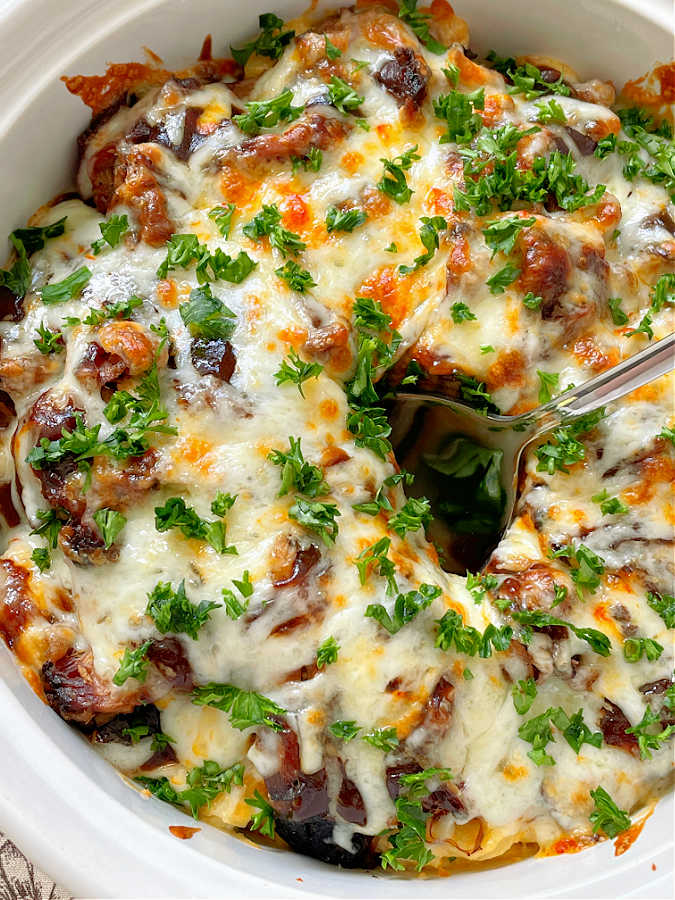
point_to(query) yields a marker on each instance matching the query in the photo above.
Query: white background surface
(66, 808)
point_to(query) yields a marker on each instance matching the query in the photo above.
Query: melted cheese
(226, 430)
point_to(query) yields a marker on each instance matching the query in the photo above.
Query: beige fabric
(20, 880)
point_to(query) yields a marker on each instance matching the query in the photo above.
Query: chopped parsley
(380, 502)
(619, 317)
(110, 522)
(648, 738)
(171, 611)
(610, 506)
(537, 731)
(222, 216)
(663, 292)
(418, 22)
(551, 112)
(52, 522)
(406, 608)
(49, 341)
(503, 278)
(644, 327)
(429, 236)
(205, 783)
(501, 235)
(234, 607)
(296, 473)
(344, 220)
(176, 514)
(206, 316)
(524, 693)
(112, 232)
(327, 652)
(332, 52)
(32, 238)
(563, 449)
(147, 415)
(548, 385)
(68, 289)
(42, 558)
(367, 420)
(467, 639)
(384, 739)
(606, 815)
(296, 371)
(311, 162)
(134, 664)
(663, 604)
(343, 96)
(526, 79)
(506, 183)
(267, 223)
(537, 618)
(413, 515)
(589, 567)
(297, 278)
(408, 842)
(247, 709)
(531, 301)
(477, 585)
(461, 313)
(393, 183)
(263, 820)
(375, 557)
(317, 517)
(344, 730)
(635, 648)
(458, 110)
(271, 41)
(268, 113)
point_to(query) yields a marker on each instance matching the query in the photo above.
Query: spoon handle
(616, 382)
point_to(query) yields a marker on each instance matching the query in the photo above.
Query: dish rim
(46, 817)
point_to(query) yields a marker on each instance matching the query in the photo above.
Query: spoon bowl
(434, 436)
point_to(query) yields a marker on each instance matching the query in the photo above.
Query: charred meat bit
(405, 77)
(7, 508)
(141, 191)
(655, 687)
(113, 732)
(7, 410)
(84, 546)
(213, 356)
(585, 145)
(98, 368)
(75, 692)
(294, 794)
(545, 267)
(16, 607)
(169, 658)
(613, 724)
(314, 131)
(314, 837)
(102, 177)
(288, 571)
(349, 803)
(11, 306)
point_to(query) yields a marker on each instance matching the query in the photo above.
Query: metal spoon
(422, 422)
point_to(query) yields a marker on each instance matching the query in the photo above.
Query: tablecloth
(20, 880)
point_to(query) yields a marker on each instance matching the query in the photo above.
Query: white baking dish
(66, 808)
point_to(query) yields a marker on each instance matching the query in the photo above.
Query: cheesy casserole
(213, 566)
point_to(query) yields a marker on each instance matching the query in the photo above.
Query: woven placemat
(20, 880)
